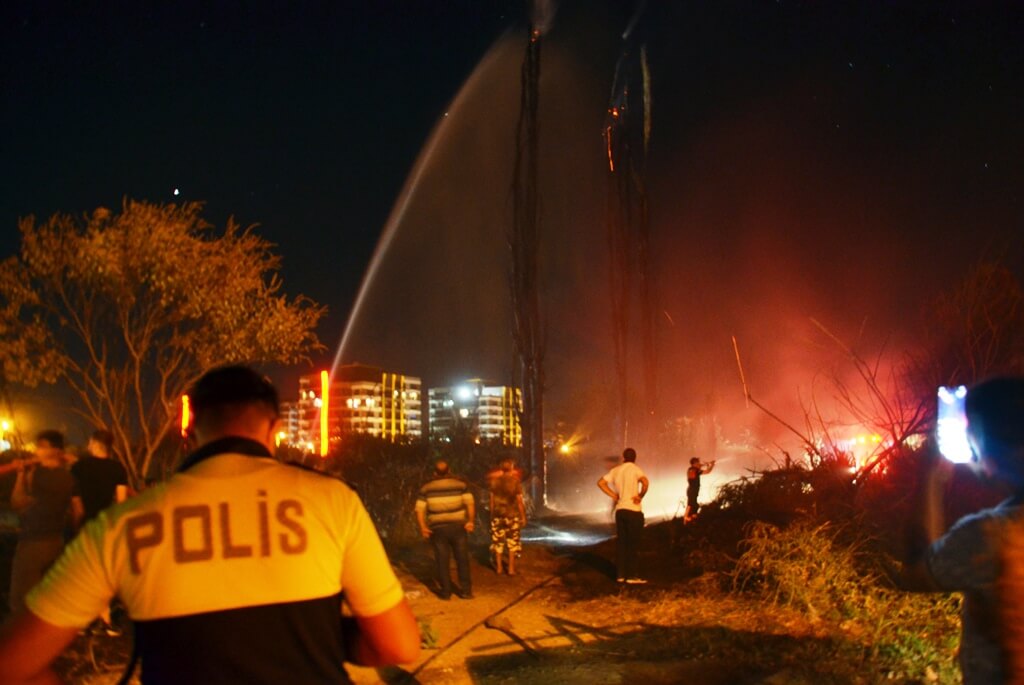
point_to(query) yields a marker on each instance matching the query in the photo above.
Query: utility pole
(524, 245)
(627, 140)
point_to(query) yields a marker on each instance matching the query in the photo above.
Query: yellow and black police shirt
(233, 571)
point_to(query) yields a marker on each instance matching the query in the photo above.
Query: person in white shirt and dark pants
(626, 484)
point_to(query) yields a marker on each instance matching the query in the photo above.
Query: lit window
(464, 413)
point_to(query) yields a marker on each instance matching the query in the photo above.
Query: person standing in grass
(627, 485)
(508, 516)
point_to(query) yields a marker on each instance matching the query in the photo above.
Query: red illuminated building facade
(361, 399)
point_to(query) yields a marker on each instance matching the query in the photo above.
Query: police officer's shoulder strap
(228, 445)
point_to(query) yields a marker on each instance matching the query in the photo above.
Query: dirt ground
(564, 620)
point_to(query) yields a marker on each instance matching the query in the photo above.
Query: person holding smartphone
(966, 557)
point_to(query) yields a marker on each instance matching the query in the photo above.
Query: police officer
(233, 570)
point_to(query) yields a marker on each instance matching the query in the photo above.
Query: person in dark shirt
(100, 480)
(41, 496)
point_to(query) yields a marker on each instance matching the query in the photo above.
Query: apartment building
(489, 410)
(360, 399)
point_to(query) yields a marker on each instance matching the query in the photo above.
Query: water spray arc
(387, 237)
(405, 200)
(401, 208)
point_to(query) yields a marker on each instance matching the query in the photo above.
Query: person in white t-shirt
(626, 484)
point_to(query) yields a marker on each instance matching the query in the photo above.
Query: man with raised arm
(234, 570)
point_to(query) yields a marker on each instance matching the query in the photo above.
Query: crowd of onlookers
(55, 491)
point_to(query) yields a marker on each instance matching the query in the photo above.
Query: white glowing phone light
(951, 426)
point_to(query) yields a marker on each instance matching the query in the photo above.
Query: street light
(6, 427)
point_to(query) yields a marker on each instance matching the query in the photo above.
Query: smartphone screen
(951, 426)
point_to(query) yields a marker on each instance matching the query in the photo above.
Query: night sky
(304, 120)
(808, 160)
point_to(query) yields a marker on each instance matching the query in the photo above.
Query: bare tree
(879, 399)
(973, 331)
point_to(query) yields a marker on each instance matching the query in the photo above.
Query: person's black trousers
(629, 526)
(449, 538)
